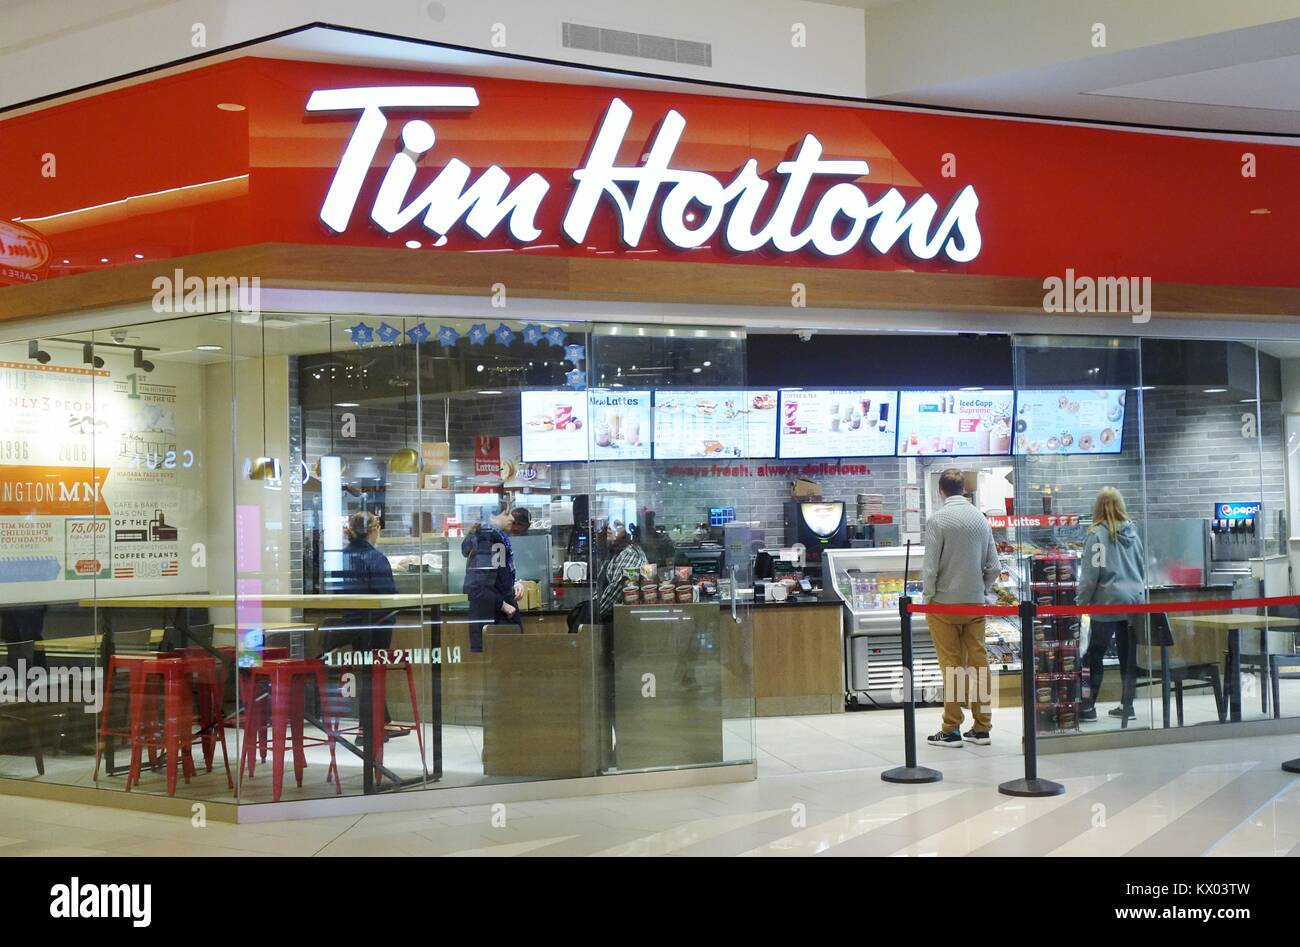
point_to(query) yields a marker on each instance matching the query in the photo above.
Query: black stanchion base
(1292, 766)
(911, 774)
(1031, 787)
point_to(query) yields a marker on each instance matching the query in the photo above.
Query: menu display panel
(1070, 421)
(839, 423)
(554, 426)
(954, 423)
(717, 423)
(620, 424)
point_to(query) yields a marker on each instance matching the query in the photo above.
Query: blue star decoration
(362, 334)
(533, 333)
(447, 337)
(478, 334)
(388, 334)
(556, 336)
(504, 334)
(575, 353)
(577, 378)
(420, 334)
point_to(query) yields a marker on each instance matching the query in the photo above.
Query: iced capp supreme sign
(685, 208)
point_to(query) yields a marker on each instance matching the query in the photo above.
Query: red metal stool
(173, 734)
(247, 696)
(378, 700)
(208, 676)
(286, 680)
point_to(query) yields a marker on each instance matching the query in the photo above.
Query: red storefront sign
(538, 169)
(24, 253)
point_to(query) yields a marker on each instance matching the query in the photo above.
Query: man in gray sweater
(961, 565)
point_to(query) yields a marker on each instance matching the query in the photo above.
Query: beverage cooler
(869, 583)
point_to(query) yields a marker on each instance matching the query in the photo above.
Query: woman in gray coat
(1111, 573)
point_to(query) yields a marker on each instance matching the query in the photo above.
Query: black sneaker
(1088, 714)
(1126, 712)
(944, 739)
(978, 737)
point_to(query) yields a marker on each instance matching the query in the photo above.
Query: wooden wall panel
(625, 280)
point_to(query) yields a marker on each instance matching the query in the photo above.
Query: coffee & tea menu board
(841, 423)
(620, 424)
(1069, 421)
(554, 426)
(726, 424)
(954, 423)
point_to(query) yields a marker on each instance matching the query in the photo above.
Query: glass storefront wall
(259, 541)
(1187, 438)
(262, 541)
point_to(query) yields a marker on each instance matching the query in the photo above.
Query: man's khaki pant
(959, 642)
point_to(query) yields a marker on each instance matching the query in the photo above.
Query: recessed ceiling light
(707, 364)
(346, 404)
(696, 371)
(489, 392)
(1215, 391)
(972, 388)
(1145, 388)
(478, 368)
(413, 244)
(1261, 210)
(230, 106)
(139, 256)
(208, 348)
(103, 259)
(67, 261)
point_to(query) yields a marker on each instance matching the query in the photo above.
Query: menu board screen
(838, 423)
(554, 426)
(620, 424)
(727, 423)
(956, 423)
(1070, 421)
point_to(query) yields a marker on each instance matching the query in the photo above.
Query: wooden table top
(1233, 622)
(280, 601)
(85, 643)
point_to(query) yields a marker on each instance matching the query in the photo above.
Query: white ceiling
(1202, 64)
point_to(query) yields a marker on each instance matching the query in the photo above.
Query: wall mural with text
(101, 483)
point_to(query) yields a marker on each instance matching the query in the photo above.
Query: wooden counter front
(798, 660)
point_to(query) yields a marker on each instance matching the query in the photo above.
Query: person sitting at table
(1111, 573)
(490, 578)
(365, 572)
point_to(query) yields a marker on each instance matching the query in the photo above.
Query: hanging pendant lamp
(264, 467)
(405, 459)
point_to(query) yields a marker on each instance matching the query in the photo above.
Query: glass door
(673, 536)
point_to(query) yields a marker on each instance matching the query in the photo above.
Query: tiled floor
(819, 792)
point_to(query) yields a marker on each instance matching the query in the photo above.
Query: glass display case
(869, 583)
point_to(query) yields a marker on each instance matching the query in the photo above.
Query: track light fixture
(88, 356)
(141, 362)
(34, 352)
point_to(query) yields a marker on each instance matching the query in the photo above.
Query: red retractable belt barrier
(1142, 608)
(937, 608)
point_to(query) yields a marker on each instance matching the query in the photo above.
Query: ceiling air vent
(642, 45)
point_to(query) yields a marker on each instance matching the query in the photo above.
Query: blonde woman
(1111, 574)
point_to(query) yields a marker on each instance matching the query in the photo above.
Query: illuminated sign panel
(685, 208)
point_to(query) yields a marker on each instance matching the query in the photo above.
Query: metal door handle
(735, 594)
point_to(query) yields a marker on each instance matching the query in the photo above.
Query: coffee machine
(817, 525)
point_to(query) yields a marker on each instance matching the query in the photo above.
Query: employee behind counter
(490, 578)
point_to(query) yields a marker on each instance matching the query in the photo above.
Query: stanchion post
(910, 772)
(1030, 785)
